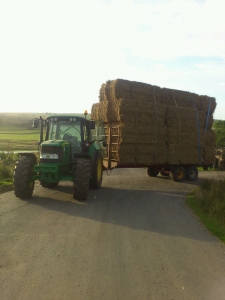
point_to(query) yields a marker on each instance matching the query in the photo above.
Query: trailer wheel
(152, 172)
(81, 179)
(48, 184)
(192, 173)
(22, 177)
(178, 174)
(96, 173)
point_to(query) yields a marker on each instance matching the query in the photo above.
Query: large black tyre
(152, 172)
(22, 177)
(81, 179)
(96, 172)
(192, 173)
(178, 174)
(48, 184)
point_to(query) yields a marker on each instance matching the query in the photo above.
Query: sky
(55, 54)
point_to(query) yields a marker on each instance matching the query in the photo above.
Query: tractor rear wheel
(81, 179)
(22, 177)
(96, 173)
(178, 174)
(152, 172)
(192, 173)
(48, 184)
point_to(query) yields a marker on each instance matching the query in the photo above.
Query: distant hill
(24, 120)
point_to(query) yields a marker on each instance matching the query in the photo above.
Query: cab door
(99, 138)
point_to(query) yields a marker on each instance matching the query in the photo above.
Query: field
(12, 139)
(16, 132)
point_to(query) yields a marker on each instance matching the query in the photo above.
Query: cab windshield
(64, 130)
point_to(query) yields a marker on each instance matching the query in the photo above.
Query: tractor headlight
(49, 156)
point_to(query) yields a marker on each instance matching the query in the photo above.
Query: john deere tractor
(72, 150)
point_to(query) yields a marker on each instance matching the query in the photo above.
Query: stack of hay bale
(153, 125)
(220, 158)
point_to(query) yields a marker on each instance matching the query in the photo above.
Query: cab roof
(66, 117)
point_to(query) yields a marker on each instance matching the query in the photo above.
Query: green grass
(19, 134)
(210, 169)
(7, 181)
(208, 202)
(12, 139)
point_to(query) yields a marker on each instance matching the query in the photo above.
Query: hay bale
(209, 138)
(151, 125)
(131, 90)
(178, 154)
(187, 118)
(209, 155)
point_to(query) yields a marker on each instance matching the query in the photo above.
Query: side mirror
(35, 123)
(92, 124)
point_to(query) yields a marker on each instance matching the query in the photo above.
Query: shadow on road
(142, 203)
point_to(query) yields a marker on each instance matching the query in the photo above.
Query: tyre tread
(21, 178)
(81, 179)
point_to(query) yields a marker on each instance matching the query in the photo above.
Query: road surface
(133, 239)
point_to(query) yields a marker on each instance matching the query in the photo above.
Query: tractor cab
(77, 132)
(74, 130)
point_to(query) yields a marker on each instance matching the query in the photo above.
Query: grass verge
(208, 214)
(6, 185)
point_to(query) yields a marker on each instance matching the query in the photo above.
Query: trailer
(168, 132)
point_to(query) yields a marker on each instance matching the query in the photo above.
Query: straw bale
(193, 137)
(178, 154)
(220, 151)
(183, 155)
(124, 111)
(207, 103)
(102, 93)
(209, 155)
(209, 138)
(131, 90)
(153, 125)
(151, 158)
(187, 117)
(180, 138)
(127, 158)
(183, 160)
(149, 147)
(115, 89)
(149, 154)
(139, 133)
(125, 147)
(94, 111)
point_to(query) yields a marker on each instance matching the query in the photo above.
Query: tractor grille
(52, 150)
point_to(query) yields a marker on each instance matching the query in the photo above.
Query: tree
(219, 128)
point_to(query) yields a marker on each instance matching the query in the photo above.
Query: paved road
(133, 239)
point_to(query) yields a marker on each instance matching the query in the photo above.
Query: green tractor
(72, 150)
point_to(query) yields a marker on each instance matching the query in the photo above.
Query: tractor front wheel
(22, 177)
(81, 179)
